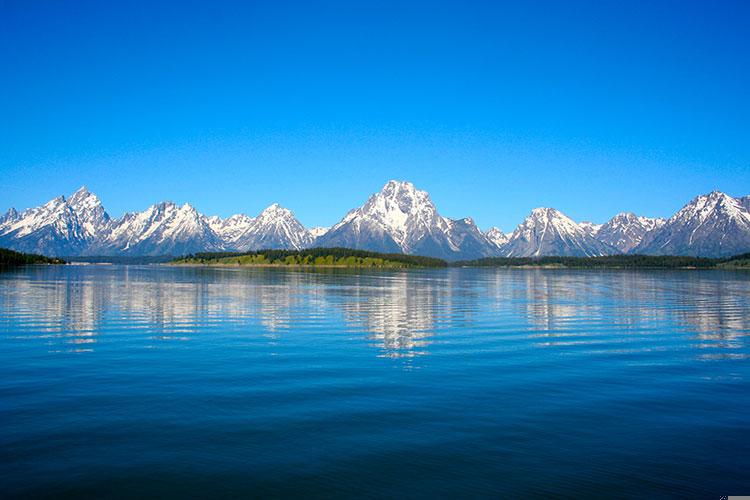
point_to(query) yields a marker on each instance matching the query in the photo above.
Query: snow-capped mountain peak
(230, 229)
(90, 212)
(10, 216)
(547, 231)
(401, 218)
(713, 224)
(397, 208)
(275, 212)
(625, 231)
(398, 218)
(496, 236)
(590, 227)
(274, 227)
(319, 231)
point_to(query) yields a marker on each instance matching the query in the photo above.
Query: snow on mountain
(90, 212)
(10, 216)
(319, 231)
(547, 231)
(59, 227)
(275, 227)
(497, 237)
(590, 227)
(466, 240)
(231, 229)
(711, 225)
(401, 218)
(626, 230)
(161, 229)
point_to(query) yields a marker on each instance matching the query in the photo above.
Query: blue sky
(589, 107)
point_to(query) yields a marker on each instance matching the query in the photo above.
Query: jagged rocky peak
(274, 227)
(162, 229)
(401, 218)
(90, 211)
(546, 215)
(713, 224)
(60, 227)
(398, 218)
(275, 212)
(231, 228)
(400, 205)
(11, 215)
(547, 231)
(590, 227)
(497, 237)
(625, 231)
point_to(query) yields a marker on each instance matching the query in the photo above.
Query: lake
(126, 381)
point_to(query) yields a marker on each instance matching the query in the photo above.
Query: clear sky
(494, 109)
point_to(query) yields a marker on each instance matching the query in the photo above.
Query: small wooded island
(349, 258)
(312, 257)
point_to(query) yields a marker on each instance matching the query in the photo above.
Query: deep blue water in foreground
(129, 381)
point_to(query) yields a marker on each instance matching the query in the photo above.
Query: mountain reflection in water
(400, 313)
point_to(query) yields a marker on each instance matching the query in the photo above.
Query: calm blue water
(129, 381)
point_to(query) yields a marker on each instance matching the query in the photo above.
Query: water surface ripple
(124, 381)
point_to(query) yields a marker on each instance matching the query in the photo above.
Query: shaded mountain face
(401, 218)
(547, 231)
(745, 202)
(626, 230)
(711, 225)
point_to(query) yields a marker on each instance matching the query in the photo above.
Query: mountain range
(399, 218)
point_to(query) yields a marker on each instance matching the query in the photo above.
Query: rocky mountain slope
(401, 218)
(625, 230)
(397, 219)
(547, 231)
(711, 225)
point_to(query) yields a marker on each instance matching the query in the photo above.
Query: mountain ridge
(397, 219)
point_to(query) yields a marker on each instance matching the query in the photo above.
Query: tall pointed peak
(545, 212)
(395, 184)
(275, 211)
(84, 198)
(55, 201)
(625, 215)
(274, 208)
